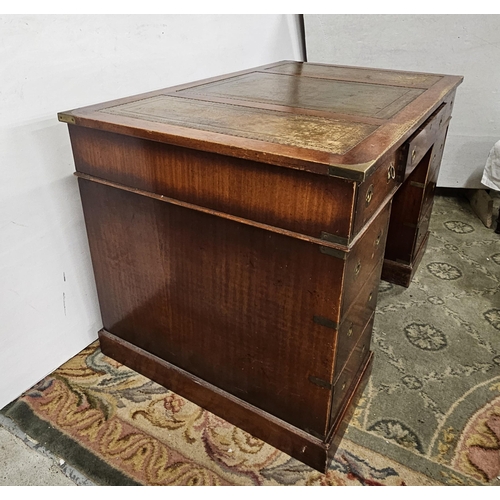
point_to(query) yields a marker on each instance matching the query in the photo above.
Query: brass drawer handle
(370, 297)
(413, 155)
(391, 172)
(369, 194)
(349, 332)
(379, 239)
(357, 268)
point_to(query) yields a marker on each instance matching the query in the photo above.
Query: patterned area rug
(433, 400)
(119, 428)
(430, 414)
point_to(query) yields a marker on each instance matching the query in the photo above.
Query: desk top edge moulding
(239, 227)
(351, 115)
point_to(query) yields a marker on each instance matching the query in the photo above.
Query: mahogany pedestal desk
(239, 227)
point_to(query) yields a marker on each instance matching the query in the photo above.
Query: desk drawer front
(356, 319)
(351, 368)
(422, 229)
(425, 137)
(366, 254)
(373, 192)
(432, 175)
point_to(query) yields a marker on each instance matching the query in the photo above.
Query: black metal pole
(302, 28)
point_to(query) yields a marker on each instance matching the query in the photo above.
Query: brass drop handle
(369, 194)
(370, 297)
(357, 268)
(379, 239)
(349, 332)
(413, 155)
(391, 172)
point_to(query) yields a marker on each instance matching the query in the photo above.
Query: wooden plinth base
(287, 438)
(401, 273)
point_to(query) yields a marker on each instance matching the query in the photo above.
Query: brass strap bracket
(65, 118)
(329, 323)
(320, 383)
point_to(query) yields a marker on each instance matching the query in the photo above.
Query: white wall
(467, 45)
(48, 304)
